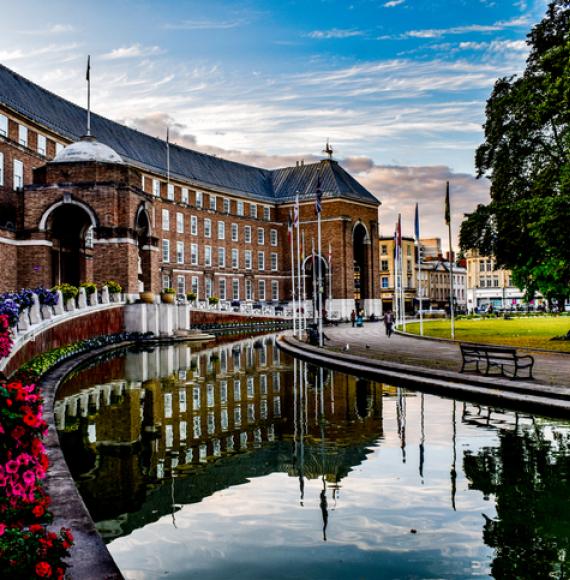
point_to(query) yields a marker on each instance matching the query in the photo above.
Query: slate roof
(68, 120)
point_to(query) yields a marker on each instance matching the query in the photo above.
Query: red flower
(38, 511)
(36, 528)
(43, 569)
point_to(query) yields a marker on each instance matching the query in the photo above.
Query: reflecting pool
(236, 461)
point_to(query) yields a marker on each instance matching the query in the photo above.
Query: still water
(236, 461)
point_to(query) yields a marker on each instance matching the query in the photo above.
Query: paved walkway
(371, 341)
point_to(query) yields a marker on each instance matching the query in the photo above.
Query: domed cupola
(87, 149)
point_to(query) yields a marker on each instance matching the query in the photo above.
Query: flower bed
(28, 549)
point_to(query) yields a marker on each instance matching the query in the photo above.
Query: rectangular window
(207, 228)
(222, 288)
(4, 125)
(274, 290)
(226, 205)
(156, 187)
(166, 251)
(261, 290)
(260, 236)
(385, 282)
(195, 286)
(222, 257)
(23, 135)
(184, 195)
(273, 237)
(207, 255)
(235, 289)
(193, 225)
(221, 231)
(180, 252)
(247, 234)
(253, 210)
(199, 199)
(179, 222)
(181, 285)
(142, 182)
(384, 265)
(235, 258)
(58, 148)
(194, 254)
(274, 261)
(384, 250)
(240, 208)
(260, 260)
(42, 144)
(267, 213)
(248, 260)
(1, 169)
(165, 220)
(18, 174)
(165, 281)
(213, 202)
(208, 284)
(170, 192)
(235, 233)
(248, 290)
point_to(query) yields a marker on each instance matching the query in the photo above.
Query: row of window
(225, 291)
(221, 258)
(23, 137)
(199, 200)
(17, 173)
(221, 229)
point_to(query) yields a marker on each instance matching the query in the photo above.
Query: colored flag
(290, 228)
(417, 224)
(447, 212)
(88, 73)
(318, 200)
(296, 211)
(330, 254)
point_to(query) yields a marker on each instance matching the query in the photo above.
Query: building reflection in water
(222, 415)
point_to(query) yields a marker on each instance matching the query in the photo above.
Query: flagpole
(304, 282)
(452, 293)
(167, 158)
(396, 300)
(330, 276)
(88, 79)
(417, 233)
(402, 280)
(320, 288)
(292, 252)
(298, 224)
(314, 272)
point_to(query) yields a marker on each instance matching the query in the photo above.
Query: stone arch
(362, 267)
(311, 282)
(69, 225)
(143, 230)
(66, 201)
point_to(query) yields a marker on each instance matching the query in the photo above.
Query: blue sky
(398, 86)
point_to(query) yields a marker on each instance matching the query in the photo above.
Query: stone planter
(168, 298)
(147, 297)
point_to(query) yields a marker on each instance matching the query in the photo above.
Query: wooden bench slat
(495, 357)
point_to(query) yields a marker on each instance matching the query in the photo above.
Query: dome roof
(87, 149)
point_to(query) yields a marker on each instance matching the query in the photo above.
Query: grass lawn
(527, 332)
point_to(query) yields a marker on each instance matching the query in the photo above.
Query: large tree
(526, 155)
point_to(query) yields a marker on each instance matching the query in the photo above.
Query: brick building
(117, 206)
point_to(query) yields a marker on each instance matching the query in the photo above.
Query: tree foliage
(526, 155)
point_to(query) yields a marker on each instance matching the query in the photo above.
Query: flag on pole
(88, 73)
(296, 211)
(290, 229)
(399, 232)
(318, 200)
(330, 254)
(417, 224)
(447, 212)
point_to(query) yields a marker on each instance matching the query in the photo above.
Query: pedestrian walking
(353, 318)
(388, 322)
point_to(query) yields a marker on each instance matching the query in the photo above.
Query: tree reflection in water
(527, 475)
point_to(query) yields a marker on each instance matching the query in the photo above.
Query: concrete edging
(533, 397)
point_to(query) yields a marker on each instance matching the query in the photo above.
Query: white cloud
(204, 24)
(393, 3)
(133, 51)
(334, 33)
(440, 32)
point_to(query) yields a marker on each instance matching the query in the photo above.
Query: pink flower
(12, 466)
(29, 477)
(2, 529)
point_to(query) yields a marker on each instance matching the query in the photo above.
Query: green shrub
(168, 291)
(90, 287)
(113, 286)
(191, 296)
(213, 300)
(67, 290)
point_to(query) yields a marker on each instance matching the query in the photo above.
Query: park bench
(505, 359)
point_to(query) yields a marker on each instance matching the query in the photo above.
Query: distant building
(435, 285)
(388, 273)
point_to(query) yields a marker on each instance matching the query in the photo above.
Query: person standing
(388, 322)
(353, 318)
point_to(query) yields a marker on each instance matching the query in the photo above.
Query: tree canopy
(526, 155)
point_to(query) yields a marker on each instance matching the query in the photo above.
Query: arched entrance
(360, 243)
(70, 228)
(312, 268)
(143, 232)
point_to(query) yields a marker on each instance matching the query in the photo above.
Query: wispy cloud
(50, 29)
(393, 3)
(21, 54)
(133, 51)
(204, 24)
(335, 33)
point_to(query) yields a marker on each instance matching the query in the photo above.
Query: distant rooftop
(199, 169)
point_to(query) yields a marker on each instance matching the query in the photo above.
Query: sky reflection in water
(377, 490)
